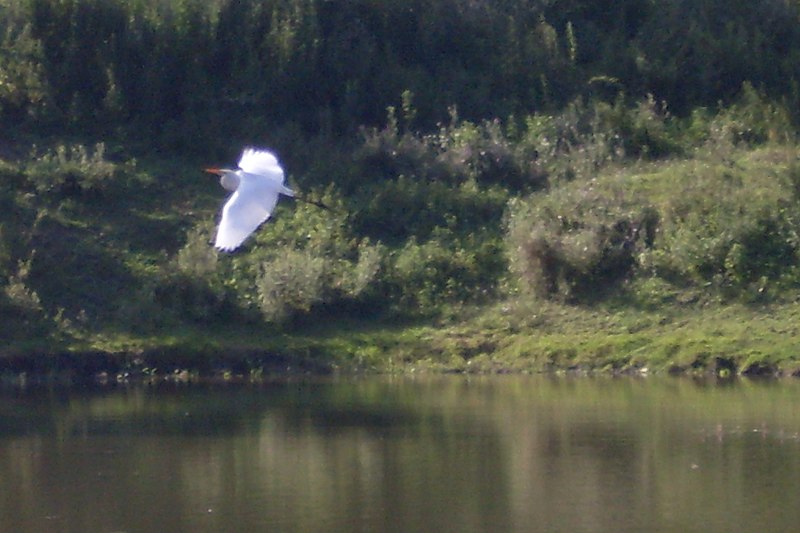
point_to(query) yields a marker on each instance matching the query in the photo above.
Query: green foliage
(589, 135)
(71, 170)
(457, 178)
(305, 259)
(292, 283)
(422, 277)
(70, 268)
(23, 87)
(726, 218)
(752, 120)
(598, 150)
(698, 53)
(734, 226)
(188, 288)
(18, 294)
(576, 241)
(22, 315)
(185, 68)
(438, 201)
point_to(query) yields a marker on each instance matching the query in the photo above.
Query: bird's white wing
(261, 163)
(247, 208)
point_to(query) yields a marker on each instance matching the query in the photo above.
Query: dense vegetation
(548, 158)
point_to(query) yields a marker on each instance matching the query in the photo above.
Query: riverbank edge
(691, 348)
(166, 364)
(701, 338)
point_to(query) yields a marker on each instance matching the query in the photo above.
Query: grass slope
(83, 258)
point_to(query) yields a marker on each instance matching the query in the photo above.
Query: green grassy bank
(177, 311)
(676, 339)
(515, 186)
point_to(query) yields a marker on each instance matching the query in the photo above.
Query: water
(378, 454)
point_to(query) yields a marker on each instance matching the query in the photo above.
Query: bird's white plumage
(260, 181)
(261, 163)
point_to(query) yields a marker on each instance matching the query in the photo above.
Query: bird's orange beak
(213, 170)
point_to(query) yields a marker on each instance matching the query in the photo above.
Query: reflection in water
(397, 454)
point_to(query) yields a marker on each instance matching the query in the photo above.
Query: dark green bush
(71, 171)
(407, 207)
(456, 152)
(22, 316)
(186, 288)
(24, 92)
(421, 277)
(71, 270)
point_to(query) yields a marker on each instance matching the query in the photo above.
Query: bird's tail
(286, 191)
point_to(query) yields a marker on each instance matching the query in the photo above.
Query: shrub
(733, 225)
(752, 120)
(487, 153)
(23, 88)
(71, 170)
(406, 207)
(573, 243)
(291, 283)
(458, 151)
(298, 281)
(188, 287)
(22, 315)
(727, 225)
(587, 136)
(421, 277)
(20, 295)
(457, 178)
(303, 261)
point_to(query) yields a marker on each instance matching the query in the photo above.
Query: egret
(255, 185)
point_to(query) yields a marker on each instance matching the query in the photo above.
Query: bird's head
(228, 178)
(218, 171)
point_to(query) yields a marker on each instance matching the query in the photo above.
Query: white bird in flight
(256, 185)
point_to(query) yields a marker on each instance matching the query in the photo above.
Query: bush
(72, 170)
(189, 287)
(292, 283)
(458, 178)
(21, 313)
(731, 225)
(296, 282)
(302, 261)
(734, 225)
(752, 120)
(24, 92)
(458, 151)
(421, 277)
(590, 135)
(574, 243)
(406, 207)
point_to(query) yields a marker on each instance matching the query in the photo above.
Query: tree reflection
(392, 454)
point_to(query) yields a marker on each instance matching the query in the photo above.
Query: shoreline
(721, 341)
(100, 367)
(96, 367)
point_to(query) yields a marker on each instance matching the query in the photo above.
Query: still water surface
(443, 454)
